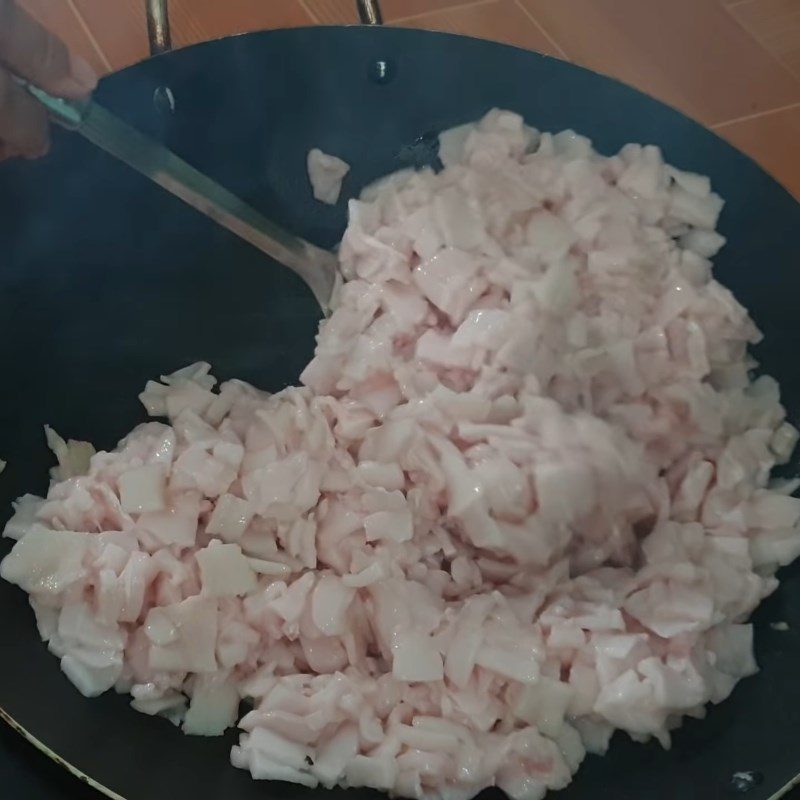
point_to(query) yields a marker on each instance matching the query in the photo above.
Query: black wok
(106, 281)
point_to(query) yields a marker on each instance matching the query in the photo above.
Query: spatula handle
(67, 113)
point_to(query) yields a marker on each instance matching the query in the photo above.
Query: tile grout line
(445, 10)
(718, 125)
(757, 40)
(304, 6)
(542, 30)
(193, 30)
(88, 31)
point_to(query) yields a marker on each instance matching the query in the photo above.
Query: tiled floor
(732, 64)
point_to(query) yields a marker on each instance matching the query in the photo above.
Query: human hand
(29, 51)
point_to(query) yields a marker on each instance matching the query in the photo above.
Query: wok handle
(369, 12)
(158, 27)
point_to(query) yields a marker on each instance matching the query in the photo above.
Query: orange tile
(121, 29)
(776, 24)
(334, 12)
(499, 20)
(773, 141)
(200, 20)
(689, 53)
(60, 18)
(342, 12)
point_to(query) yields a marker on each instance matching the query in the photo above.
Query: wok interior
(106, 281)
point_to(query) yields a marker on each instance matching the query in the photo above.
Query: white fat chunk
(224, 571)
(230, 518)
(143, 489)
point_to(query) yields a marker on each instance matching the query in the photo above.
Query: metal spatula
(317, 267)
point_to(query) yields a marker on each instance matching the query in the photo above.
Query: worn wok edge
(53, 756)
(82, 776)
(4, 715)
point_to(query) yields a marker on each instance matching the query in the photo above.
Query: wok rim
(403, 26)
(5, 716)
(62, 762)
(110, 793)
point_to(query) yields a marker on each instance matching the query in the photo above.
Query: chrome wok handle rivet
(164, 100)
(381, 71)
(746, 780)
(160, 39)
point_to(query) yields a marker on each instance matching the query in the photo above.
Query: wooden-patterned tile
(689, 53)
(332, 12)
(60, 17)
(773, 140)
(498, 20)
(121, 30)
(201, 20)
(776, 24)
(343, 12)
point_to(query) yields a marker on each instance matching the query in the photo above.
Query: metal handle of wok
(158, 33)
(369, 12)
(158, 26)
